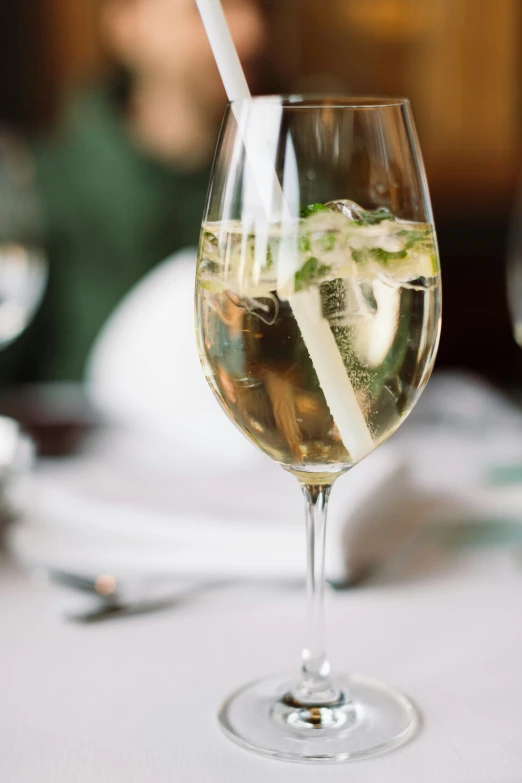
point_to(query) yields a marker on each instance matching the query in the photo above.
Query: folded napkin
(144, 372)
(121, 510)
(461, 436)
(463, 446)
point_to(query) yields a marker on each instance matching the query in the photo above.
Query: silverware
(129, 597)
(118, 598)
(112, 610)
(126, 590)
(102, 585)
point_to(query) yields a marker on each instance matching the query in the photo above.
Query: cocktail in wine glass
(318, 315)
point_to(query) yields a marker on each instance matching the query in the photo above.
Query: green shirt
(111, 214)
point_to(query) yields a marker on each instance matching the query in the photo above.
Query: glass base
(368, 719)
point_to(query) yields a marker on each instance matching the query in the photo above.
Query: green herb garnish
(384, 255)
(311, 209)
(377, 253)
(311, 270)
(359, 256)
(372, 217)
(327, 242)
(413, 236)
(304, 244)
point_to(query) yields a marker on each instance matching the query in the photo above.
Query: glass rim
(326, 101)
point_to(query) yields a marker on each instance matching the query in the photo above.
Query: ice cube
(358, 214)
(348, 208)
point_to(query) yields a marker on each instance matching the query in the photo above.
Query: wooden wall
(458, 60)
(69, 27)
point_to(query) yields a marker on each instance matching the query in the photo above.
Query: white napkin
(463, 445)
(145, 374)
(122, 510)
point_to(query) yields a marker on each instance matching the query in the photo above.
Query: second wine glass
(318, 318)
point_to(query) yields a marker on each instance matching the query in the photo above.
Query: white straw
(331, 372)
(306, 305)
(223, 49)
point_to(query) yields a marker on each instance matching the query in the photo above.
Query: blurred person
(123, 181)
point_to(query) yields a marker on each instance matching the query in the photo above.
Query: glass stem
(315, 687)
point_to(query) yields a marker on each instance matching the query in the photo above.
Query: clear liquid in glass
(376, 282)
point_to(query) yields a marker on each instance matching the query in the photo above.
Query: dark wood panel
(476, 329)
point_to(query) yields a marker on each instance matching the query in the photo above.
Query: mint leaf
(360, 256)
(311, 209)
(327, 242)
(372, 217)
(304, 244)
(384, 255)
(414, 236)
(311, 270)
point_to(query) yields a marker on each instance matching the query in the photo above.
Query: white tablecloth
(134, 700)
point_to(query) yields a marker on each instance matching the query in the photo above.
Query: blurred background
(458, 60)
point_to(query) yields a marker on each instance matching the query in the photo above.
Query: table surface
(134, 700)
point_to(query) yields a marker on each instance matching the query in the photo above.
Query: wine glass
(23, 265)
(318, 315)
